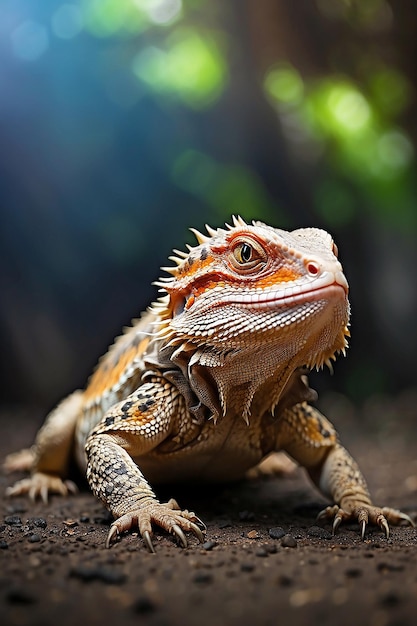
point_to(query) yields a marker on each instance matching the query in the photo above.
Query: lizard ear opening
(178, 303)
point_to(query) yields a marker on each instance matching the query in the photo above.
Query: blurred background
(124, 122)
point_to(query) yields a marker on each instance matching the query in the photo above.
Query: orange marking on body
(111, 368)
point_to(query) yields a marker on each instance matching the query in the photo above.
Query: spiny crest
(179, 256)
(238, 222)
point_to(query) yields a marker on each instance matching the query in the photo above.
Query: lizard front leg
(312, 441)
(132, 428)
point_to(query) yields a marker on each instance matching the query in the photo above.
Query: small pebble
(390, 599)
(144, 605)
(247, 567)
(276, 533)
(103, 574)
(20, 596)
(389, 567)
(353, 572)
(271, 548)
(209, 545)
(203, 578)
(288, 541)
(261, 552)
(3, 545)
(13, 520)
(37, 522)
(35, 538)
(320, 533)
(253, 534)
(70, 523)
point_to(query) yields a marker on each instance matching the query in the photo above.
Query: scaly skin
(210, 382)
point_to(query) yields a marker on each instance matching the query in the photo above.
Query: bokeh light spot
(161, 11)
(348, 107)
(190, 67)
(391, 90)
(67, 21)
(105, 18)
(394, 150)
(284, 84)
(30, 41)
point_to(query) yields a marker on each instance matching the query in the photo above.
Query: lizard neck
(233, 382)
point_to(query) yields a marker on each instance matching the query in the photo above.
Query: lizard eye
(243, 253)
(248, 256)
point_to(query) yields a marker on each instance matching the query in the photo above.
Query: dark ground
(55, 569)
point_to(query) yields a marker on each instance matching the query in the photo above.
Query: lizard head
(255, 302)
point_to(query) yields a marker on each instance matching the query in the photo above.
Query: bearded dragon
(210, 381)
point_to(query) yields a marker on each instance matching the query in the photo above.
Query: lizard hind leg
(48, 458)
(21, 461)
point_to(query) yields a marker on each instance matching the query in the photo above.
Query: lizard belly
(222, 453)
(194, 469)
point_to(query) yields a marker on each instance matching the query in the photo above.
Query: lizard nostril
(313, 268)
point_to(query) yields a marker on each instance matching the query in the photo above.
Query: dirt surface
(265, 561)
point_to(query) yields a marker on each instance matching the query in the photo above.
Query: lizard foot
(21, 461)
(168, 516)
(40, 485)
(365, 514)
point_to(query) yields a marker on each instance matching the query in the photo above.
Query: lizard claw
(362, 526)
(383, 524)
(176, 530)
(201, 525)
(363, 519)
(146, 536)
(113, 534)
(198, 532)
(336, 523)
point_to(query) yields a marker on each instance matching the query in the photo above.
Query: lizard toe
(394, 516)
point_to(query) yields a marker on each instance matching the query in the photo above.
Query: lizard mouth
(332, 287)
